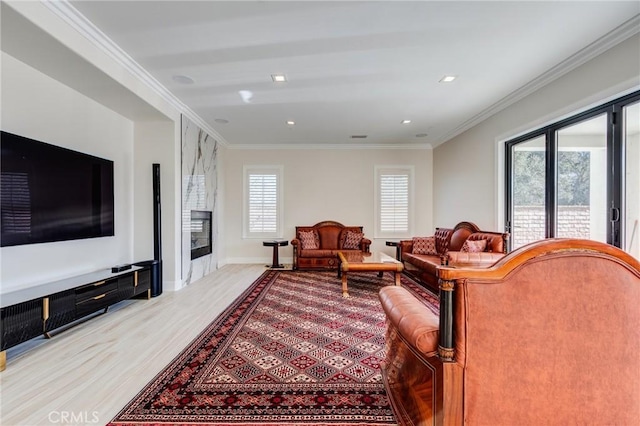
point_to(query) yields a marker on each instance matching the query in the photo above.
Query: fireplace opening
(200, 233)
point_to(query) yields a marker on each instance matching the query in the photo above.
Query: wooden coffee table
(366, 262)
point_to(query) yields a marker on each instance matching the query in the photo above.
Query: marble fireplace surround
(199, 193)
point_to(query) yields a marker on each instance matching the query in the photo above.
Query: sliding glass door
(529, 190)
(578, 178)
(581, 208)
(631, 140)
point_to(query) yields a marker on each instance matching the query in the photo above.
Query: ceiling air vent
(358, 136)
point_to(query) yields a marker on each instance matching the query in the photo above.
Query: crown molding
(65, 11)
(604, 43)
(326, 146)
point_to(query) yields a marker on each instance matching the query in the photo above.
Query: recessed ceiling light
(448, 78)
(422, 135)
(221, 120)
(358, 136)
(406, 121)
(182, 79)
(278, 78)
(291, 123)
(246, 95)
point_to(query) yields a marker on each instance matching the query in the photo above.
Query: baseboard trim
(253, 260)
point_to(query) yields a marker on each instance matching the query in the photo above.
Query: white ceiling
(353, 68)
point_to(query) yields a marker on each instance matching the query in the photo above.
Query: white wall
(222, 203)
(154, 143)
(468, 168)
(38, 107)
(319, 184)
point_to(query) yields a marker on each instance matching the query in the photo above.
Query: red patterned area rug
(289, 351)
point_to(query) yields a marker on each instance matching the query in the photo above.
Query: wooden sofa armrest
(365, 245)
(406, 246)
(417, 325)
(411, 370)
(295, 243)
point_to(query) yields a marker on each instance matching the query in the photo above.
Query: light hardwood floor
(88, 373)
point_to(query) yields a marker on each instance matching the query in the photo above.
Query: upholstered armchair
(548, 335)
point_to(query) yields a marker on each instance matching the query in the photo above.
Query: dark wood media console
(35, 311)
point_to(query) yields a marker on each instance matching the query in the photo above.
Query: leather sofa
(550, 334)
(316, 247)
(448, 243)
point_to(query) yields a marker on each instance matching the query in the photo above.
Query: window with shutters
(394, 201)
(262, 202)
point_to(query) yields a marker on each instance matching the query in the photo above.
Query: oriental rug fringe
(289, 351)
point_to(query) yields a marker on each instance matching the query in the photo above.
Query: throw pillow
(424, 245)
(352, 240)
(475, 246)
(309, 240)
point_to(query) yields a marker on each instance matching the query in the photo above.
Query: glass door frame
(618, 207)
(615, 167)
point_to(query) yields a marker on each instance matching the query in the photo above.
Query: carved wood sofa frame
(550, 334)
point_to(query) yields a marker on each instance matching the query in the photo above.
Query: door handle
(615, 215)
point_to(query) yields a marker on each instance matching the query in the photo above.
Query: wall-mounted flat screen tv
(49, 193)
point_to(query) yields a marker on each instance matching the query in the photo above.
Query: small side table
(395, 244)
(275, 244)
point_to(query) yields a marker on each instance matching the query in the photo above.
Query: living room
(43, 98)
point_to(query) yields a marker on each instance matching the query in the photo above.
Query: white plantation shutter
(393, 201)
(262, 201)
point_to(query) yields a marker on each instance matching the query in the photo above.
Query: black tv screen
(49, 193)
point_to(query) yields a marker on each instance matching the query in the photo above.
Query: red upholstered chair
(549, 335)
